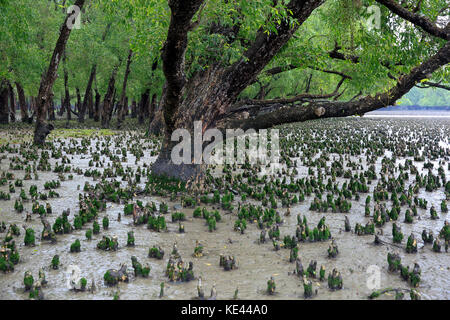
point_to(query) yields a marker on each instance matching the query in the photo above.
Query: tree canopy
(331, 39)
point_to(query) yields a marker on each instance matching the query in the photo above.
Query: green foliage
(76, 246)
(28, 40)
(105, 223)
(55, 262)
(28, 281)
(29, 237)
(88, 234)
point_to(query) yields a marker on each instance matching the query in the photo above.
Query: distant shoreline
(403, 115)
(411, 111)
(416, 108)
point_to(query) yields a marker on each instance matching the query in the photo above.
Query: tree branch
(266, 46)
(325, 109)
(255, 103)
(277, 70)
(416, 19)
(335, 54)
(427, 84)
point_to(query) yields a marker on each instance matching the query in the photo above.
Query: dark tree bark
(62, 108)
(33, 107)
(133, 109)
(67, 106)
(126, 109)
(113, 104)
(45, 95)
(121, 107)
(87, 94)
(153, 106)
(143, 105)
(12, 103)
(91, 105)
(97, 106)
(4, 108)
(108, 101)
(22, 102)
(417, 19)
(51, 111)
(428, 84)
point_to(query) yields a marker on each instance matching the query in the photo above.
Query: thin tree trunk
(67, 106)
(133, 109)
(87, 94)
(22, 102)
(91, 105)
(32, 108)
(143, 104)
(78, 104)
(108, 102)
(45, 95)
(121, 106)
(61, 109)
(153, 106)
(126, 109)
(51, 111)
(113, 104)
(4, 109)
(97, 106)
(12, 103)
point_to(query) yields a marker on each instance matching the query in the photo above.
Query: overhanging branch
(324, 109)
(416, 19)
(428, 84)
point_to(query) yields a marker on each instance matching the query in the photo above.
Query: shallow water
(257, 262)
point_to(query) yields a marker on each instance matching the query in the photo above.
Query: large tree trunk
(22, 103)
(164, 165)
(45, 95)
(211, 96)
(4, 109)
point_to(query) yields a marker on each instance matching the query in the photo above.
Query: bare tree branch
(301, 97)
(427, 84)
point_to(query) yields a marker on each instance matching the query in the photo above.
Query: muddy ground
(256, 262)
